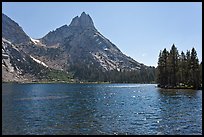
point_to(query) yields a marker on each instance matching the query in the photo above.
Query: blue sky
(140, 30)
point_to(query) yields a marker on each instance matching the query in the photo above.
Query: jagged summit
(12, 31)
(83, 21)
(77, 26)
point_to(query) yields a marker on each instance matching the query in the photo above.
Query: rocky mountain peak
(76, 48)
(84, 21)
(12, 31)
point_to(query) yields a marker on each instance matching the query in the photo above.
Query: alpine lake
(100, 109)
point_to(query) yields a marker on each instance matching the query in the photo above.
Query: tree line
(91, 73)
(176, 70)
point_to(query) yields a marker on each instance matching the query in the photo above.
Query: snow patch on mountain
(34, 40)
(105, 62)
(8, 42)
(38, 61)
(4, 40)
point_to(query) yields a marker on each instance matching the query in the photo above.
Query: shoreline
(80, 82)
(65, 82)
(179, 87)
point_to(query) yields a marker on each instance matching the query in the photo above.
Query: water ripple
(43, 98)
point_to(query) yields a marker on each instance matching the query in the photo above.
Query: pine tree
(173, 65)
(182, 68)
(194, 72)
(162, 72)
(188, 68)
(200, 68)
(159, 69)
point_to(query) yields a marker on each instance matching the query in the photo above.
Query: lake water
(100, 109)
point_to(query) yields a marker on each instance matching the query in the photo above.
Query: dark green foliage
(162, 67)
(194, 71)
(57, 75)
(182, 71)
(188, 67)
(173, 65)
(90, 73)
(176, 70)
(200, 68)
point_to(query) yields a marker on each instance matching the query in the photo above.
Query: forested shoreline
(176, 70)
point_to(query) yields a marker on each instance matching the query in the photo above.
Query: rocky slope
(70, 48)
(17, 65)
(83, 43)
(12, 31)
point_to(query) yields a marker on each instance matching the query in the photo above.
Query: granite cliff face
(19, 66)
(84, 21)
(78, 24)
(12, 31)
(68, 48)
(85, 44)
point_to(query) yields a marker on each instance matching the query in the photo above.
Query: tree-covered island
(176, 70)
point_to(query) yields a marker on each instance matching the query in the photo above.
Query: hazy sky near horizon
(138, 29)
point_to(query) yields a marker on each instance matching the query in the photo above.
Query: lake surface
(100, 109)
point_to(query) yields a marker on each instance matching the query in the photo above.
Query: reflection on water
(181, 111)
(43, 98)
(99, 109)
